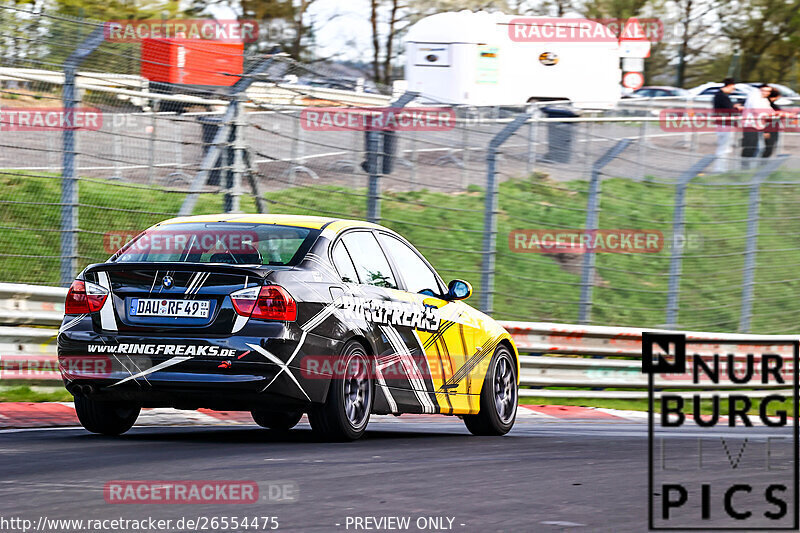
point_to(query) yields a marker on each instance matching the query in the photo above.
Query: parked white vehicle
(470, 58)
(705, 92)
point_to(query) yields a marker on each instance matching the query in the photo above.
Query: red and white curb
(55, 414)
(574, 412)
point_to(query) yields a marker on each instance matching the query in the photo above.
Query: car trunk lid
(165, 297)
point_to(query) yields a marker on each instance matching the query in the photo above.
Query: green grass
(642, 404)
(630, 289)
(630, 405)
(40, 394)
(448, 229)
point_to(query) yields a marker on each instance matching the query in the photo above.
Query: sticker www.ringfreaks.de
(722, 433)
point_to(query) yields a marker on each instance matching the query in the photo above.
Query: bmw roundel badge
(167, 282)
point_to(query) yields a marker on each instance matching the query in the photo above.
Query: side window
(343, 263)
(416, 274)
(370, 263)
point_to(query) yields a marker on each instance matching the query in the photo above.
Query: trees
(765, 32)
(383, 46)
(704, 39)
(273, 16)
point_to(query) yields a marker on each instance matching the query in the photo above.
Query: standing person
(756, 108)
(724, 109)
(771, 136)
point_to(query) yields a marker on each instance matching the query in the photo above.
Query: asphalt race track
(543, 476)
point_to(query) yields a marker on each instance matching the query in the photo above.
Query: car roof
(784, 89)
(304, 221)
(739, 89)
(742, 87)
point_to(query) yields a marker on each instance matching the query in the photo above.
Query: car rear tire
(106, 418)
(498, 397)
(278, 421)
(345, 414)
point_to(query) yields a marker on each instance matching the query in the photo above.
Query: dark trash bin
(560, 135)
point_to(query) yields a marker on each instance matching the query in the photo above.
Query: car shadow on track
(251, 435)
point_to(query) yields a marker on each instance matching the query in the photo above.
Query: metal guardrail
(656, 104)
(583, 357)
(132, 86)
(28, 352)
(585, 361)
(30, 304)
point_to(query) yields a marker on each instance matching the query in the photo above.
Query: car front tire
(105, 418)
(499, 395)
(345, 414)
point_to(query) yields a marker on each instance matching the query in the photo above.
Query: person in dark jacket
(724, 109)
(771, 136)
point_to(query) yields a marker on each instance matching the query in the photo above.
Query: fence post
(752, 241)
(530, 158)
(177, 135)
(676, 257)
(490, 211)
(151, 149)
(588, 270)
(587, 148)
(69, 182)
(235, 192)
(116, 148)
(414, 159)
(465, 157)
(374, 184)
(641, 148)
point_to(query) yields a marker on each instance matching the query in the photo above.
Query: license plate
(170, 308)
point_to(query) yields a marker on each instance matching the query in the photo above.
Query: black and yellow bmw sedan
(281, 315)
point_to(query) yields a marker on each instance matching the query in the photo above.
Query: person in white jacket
(756, 109)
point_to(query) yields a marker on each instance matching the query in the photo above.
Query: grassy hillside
(630, 289)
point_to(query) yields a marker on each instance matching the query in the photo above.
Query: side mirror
(458, 290)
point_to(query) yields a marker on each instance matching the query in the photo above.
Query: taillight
(270, 302)
(245, 300)
(84, 297)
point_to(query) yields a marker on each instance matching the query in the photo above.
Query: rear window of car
(235, 244)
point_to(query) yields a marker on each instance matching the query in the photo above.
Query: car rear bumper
(258, 368)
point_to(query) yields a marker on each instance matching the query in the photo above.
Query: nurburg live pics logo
(715, 470)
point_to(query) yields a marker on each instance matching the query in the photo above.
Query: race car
(281, 315)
